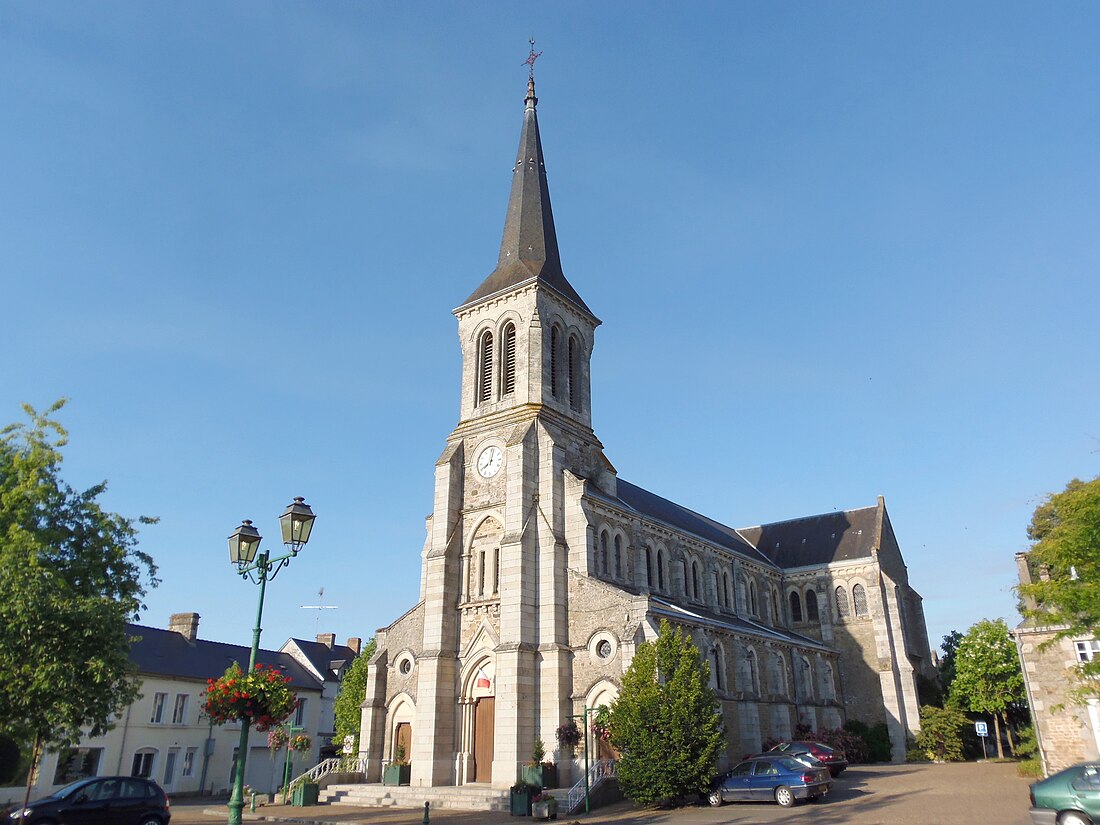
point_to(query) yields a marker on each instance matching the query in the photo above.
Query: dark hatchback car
(1069, 797)
(770, 777)
(102, 800)
(832, 758)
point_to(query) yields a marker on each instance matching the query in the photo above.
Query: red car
(832, 758)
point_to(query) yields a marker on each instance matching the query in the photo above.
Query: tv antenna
(319, 607)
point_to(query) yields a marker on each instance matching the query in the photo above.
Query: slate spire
(529, 248)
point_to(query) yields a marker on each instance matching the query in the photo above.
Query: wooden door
(402, 741)
(484, 726)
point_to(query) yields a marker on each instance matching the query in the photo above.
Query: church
(542, 570)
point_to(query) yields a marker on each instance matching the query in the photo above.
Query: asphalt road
(958, 794)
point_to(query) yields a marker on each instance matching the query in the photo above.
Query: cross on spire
(530, 61)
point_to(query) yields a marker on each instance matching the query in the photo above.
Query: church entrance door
(402, 741)
(484, 726)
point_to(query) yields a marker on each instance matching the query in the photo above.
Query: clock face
(488, 463)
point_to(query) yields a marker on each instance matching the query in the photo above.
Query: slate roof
(529, 248)
(829, 537)
(325, 658)
(166, 653)
(662, 510)
(736, 624)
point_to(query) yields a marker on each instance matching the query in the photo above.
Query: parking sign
(981, 728)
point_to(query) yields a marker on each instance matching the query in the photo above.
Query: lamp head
(243, 544)
(297, 523)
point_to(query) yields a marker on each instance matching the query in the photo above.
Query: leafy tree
(65, 670)
(666, 723)
(987, 673)
(349, 699)
(949, 646)
(1066, 557)
(940, 735)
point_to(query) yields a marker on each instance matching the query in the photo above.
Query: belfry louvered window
(508, 365)
(485, 368)
(574, 373)
(555, 361)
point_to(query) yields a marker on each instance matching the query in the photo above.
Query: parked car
(102, 800)
(833, 758)
(1069, 797)
(770, 777)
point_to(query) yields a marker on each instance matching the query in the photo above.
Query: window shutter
(509, 344)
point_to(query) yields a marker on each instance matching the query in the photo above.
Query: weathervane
(530, 61)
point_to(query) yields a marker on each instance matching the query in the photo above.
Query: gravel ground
(958, 794)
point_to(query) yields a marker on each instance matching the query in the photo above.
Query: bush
(876, 740)
(1032, 767)
(940, 733)
(916, 755)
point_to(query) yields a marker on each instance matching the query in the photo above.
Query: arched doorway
(478, 720)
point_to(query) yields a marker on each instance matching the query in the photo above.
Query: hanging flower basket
(568, 735)
(277, 738)
(301, 742)
(601, 724)
(263, 697)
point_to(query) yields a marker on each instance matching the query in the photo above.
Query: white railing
(597, 772)
(339, 764)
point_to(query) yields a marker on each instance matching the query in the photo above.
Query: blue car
(770, 777)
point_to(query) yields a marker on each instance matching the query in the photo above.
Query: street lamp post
(296, 523)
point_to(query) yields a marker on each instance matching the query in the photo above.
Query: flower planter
(305, 794)
(521, 802)
(396, 774)
(547, 809)
(544, 775)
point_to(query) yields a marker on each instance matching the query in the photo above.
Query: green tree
(349, 699)
(949, 646)
(940, 735)
(666, 723)
(1065, 557)
(73, 577)
(987, 674)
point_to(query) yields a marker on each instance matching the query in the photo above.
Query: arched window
(481, 573)
(508, 363)
(811, 606)
(618, 557)
(496, 571)
(796, 607)
(660, 570)
(751, 673)
(574, 372)
(603, 552)
(649, 567)
(752, 598)
(775, 607)
(805, 677)
(485, 367)
(555, 361)
(859, 600)
(717, 668)
(726, 588)
(842, 611)
(694, 580)
(718, 590)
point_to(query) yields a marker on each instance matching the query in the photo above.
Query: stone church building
(543, 570)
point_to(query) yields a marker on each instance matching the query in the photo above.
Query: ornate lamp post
(296, 523)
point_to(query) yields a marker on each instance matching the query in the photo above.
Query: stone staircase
(460, 797)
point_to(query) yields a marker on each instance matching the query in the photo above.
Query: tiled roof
(840, 536)
(166, 653)
(663, 510)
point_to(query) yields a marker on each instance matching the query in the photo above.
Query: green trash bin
(305, 794)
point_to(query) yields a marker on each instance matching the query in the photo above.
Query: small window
(574, 373)
(796, 607)
(485, 368)
(694, 580)
(496, 571)
(405, 665)
(142, 765)
(1087, 650)
(811, 607)
(603, 552)
(300, 713)
(859, 600)
(159, 701)
(842, 610)
(660, 571)
(752, 598)
(179, 710)
(555, 361)
(189, 761)
(648, 567)
(604, 649)
(618, 557)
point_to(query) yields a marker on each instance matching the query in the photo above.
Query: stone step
(372, 795)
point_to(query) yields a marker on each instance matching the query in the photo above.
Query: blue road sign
(981, 728)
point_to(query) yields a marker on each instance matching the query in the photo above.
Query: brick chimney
(326, 639)
(185, 624)
(356, 644)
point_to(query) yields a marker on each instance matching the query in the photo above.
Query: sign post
(982, 729)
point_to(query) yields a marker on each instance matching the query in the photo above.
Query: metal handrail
(598, 771)
(338, 764)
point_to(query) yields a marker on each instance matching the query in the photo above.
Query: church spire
(529, 248)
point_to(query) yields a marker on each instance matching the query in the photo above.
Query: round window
(405, 665)
(603, 649)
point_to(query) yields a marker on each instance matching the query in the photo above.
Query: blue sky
(839, 250)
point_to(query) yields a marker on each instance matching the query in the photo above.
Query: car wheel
(151, 820)
(714, 798)
(784, 796)
(1073, 818)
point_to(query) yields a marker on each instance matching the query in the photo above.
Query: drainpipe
(122, 744)
(1031, 703)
